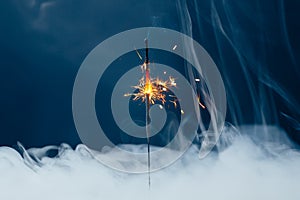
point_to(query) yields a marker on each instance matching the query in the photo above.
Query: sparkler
(149, 91)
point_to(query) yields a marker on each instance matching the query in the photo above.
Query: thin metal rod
(148, 109)
(148, 135)
(147, 50)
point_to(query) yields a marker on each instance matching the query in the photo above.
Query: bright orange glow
(148, 88)
(156, 89)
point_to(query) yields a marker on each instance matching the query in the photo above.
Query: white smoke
(248, 167)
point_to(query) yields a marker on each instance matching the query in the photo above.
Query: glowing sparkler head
(154, 89)
(148, 88)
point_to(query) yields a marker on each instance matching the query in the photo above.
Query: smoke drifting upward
(249, 41)
(245, 168)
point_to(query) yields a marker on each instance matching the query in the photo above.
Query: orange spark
(199, 102)
(156, 89)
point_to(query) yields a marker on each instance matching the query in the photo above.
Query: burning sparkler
(149, 91)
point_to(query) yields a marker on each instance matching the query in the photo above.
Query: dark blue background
(42, 44)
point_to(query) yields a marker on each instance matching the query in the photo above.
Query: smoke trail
(247, 39)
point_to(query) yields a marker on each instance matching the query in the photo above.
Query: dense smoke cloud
(245, 168)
